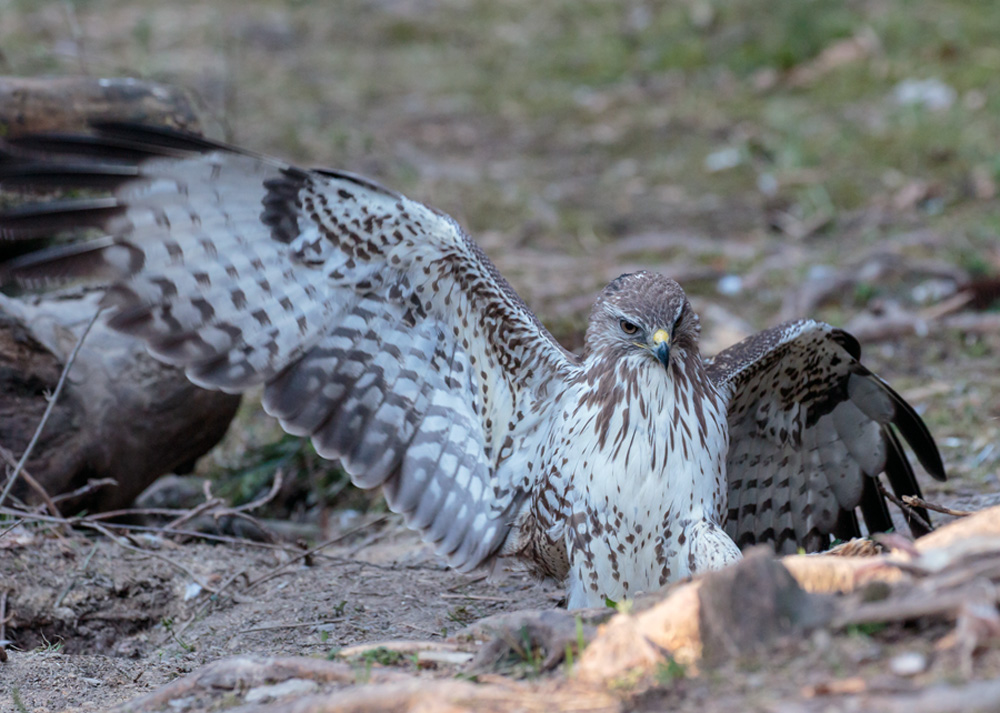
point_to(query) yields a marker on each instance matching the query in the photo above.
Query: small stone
(730, 285)
(931, 94)
(908, 664)
(723, 159)
(192, 590)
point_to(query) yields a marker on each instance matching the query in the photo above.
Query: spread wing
(810, 431)
(377, 327)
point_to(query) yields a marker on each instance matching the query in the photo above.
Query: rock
(908, 664)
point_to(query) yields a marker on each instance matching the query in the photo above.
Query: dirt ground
(762, 159)
(97, 624)
(108, 624)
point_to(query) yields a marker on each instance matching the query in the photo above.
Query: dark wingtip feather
(62, 263)
(34, 220)
(916, 434)
(159, 137)
(846, 527)
(848, 341)
(83, 147)
(873, 507)
(903, 482)
(38, 174)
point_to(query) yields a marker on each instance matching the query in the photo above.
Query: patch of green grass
(867, 629)
(787, 34)
(15, 695)
(168, 624)
(669, 671)
(463, 615)
(383, 656)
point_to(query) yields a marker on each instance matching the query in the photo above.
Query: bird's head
(643, 316)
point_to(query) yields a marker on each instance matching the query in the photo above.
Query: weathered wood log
(122, 415)
(29, 105)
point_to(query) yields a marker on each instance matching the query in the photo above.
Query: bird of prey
(379, 329)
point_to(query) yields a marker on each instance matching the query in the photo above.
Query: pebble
(909, 664)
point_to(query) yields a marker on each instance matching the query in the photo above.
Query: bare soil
(94, 625)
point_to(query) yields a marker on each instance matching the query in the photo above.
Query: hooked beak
(661, 346)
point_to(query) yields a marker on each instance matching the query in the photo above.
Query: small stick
(91, 520)
(160, 512)
(194, 617)
(903, 506)
(193, 513)
(3, 626)
(476, 597)
(48, 409)
(34, 484)
(471, 580)
(368, 542)
(72, 583)
(92, 485)
(149, 553)
(11, 528)
(279, 478)
(297, 625)
(421, 629)
(916, 502)
(307, 553)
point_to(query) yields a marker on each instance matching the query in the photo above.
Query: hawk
(380, 330)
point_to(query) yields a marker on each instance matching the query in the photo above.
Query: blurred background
(836, 160)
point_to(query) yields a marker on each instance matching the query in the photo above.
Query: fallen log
(122, 416)
(30, 105)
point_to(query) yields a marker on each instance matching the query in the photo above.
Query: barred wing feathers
(376, 326)
(810, 430)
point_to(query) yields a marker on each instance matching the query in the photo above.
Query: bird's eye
(628, 327)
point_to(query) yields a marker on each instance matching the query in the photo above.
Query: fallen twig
(193, 513)
(313, 550)
(293, 625)
(3, 626)
(476, 597)
(69, 585)
(48, 409)
(218, 509)
(868, 329)
(918, 502)
(905, 507)
(92, 485)
(201, 610)
(279, 477)
(13, 527)
(149, 553)
(467, 582)
(368, 542)
(30, 480)
(97, 517)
